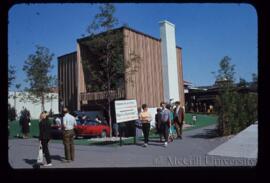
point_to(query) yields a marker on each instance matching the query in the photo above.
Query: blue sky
(206, 32)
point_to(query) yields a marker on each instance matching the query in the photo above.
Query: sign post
(126, 110)
(135, 135)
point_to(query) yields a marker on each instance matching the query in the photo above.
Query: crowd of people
(168, 118)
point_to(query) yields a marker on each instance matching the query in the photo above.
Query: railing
(115, 94)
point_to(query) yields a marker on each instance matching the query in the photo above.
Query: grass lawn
(202, 120)
(15, 129)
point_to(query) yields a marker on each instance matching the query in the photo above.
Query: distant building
(160, 77)
(187, 86)
(203, 98)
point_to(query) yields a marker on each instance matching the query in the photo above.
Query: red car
(92, 128)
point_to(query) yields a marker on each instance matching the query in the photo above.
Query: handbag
(40, 154)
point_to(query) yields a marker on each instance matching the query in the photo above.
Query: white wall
(35, 109)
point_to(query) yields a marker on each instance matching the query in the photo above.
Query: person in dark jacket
(45, 136)
(25, 123)
(158, 123)
(179, 116)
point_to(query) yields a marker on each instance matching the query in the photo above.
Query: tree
(242, 83)
(227, 97)
(11, 113)
(254, 83)
(17, 86)
(237, 108)
(11, 75)
(37, 68)
(105, 68)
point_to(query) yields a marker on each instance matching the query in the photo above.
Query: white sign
(126, 110)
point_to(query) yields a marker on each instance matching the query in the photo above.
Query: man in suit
(179, 115)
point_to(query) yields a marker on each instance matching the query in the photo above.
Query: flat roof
(71, 53)
(131, 29)
(120, 28)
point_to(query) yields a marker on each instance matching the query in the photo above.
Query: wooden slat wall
(60, 85)
(80, 76)
(67, 80)
(180, 76)
(148, 81)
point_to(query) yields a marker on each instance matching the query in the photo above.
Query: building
(160, 77)
(200, 99)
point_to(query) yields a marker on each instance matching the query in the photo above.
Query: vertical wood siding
(180, 76)
(148, 81)
(67, 80)
(147, 86)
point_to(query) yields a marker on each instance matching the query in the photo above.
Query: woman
(145, 118)
(172, 130)
(44, 136)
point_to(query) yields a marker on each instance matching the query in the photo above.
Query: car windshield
(86, 122)
(79, 122)
(90, 122)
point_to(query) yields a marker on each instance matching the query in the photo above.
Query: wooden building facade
(147, 85)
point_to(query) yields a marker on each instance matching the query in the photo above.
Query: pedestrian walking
(172, 130)
(179, 119)
(25, 123)
(69, 123)
(158, 123)
(45, 136)
(165, 122)
(145, 118)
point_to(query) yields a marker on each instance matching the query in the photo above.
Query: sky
(205, 32)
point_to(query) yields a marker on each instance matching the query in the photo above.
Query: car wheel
(103, 134)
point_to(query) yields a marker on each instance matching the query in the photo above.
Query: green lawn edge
(202, 121)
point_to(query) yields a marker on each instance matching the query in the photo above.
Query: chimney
(169, 61)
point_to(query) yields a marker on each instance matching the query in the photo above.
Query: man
(69, 123)
(179, 119)
(165, 121)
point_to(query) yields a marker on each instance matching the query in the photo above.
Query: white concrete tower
(169, 61)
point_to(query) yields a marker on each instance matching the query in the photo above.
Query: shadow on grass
(207, 134)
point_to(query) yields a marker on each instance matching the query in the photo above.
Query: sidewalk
(190, 151)
(243, 145)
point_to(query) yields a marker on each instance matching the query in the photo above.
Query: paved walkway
(190, 151)
(244, 144)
